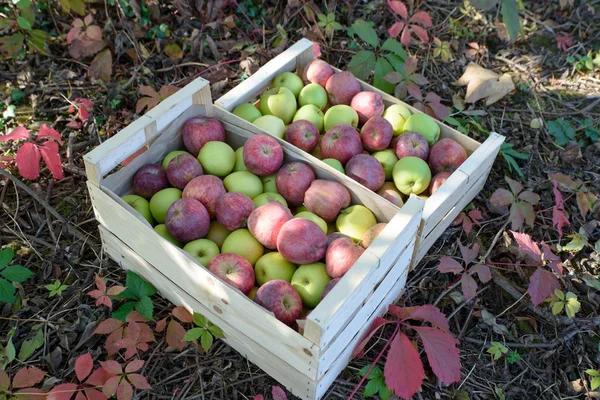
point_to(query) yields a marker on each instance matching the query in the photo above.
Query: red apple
(446, 156)
(187, 220)
(301, 241)
(200, 130)
(233, 210)
(265, 222)
(335, 235)
(368, 105)
(317, 71)
(366, 170)
(234, 270)
(372, 233)
(437, 181)
(341, 255)
(328, 288)
(182, 169)
(391, 194)
(376, 134)
(206, 189)
(262, 155)
(342, 87)
(149, 179)
(326, 199)
(412, 144)
(293, 180)
(341, 142)
(280, 297)
(302, 134)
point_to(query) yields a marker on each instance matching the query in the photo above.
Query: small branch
(566, 337)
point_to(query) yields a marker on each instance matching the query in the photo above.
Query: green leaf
(216, 331)
(37, 40)
(78, 6)
(6, 257)
(483, 4)
(330, 17)
(145, 307)
(24, 23)
(23, 4)
(139, 286)
(590, 131)
(592, 372)
(193, 334)
(336, 25)
(595, 383)
(510, 17)
(395, 47)
(557, 307)
(322, 18)
(7, 292)
(206, 340)
(572, 305)
(7, 354)
(30, 345)
(562, 131)
(362, 64)
(16, 95)
(396, 61)
(385, 393)
(366, 32)
(382, 68)
(372, 388)
(12, 44)
(122, 312)
(16, 273)
(200, 320)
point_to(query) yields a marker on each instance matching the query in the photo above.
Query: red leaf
(112, 367)
(63, 391)
(95, 293)
(48, 132)
(442, 353)
(515, 186)
(83, 366)
(111, 341)
(395, 29)
(403, 369)
(552, 259)
(100, 283)
(4, 380)
(467, 225)
(108, 326)
(139, 381)
(161, 325)
(559, 220)
(75, 124)
(182, 314)
(146, 334)
(30, 394)
(469, 286)
(426, 312)
(175, 334)
(398, 7)
(516, 217)
(541, 285)
(111, 385)
(358, 351)
(410, 66)
(27, 377)
(476, 216)
(415, 91)
(98, 377)
(28, 160)
(93, 394)
(502, 198)
(259, 397)
(50, 155)
(115, 290)
(449, 264)
(80, 396)
(422, 17)
(405, 39)
(278, 393)
(20, 132)
(483, 272)
(530, 197)
(440, 110)
(124, 391)
(94, 33)
(528, 246)
(104, 300)
(134, 366)
(420, 32)
(469, 254)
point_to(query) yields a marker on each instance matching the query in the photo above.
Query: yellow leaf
(557, 307)
(483, 84)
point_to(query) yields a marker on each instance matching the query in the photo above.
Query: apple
(310, 280)
(314, 218)
(387, 158)
(170, 156)
(334, 235)
(332, 162)
(266, 221)
(280, 102)
(366, 170)
(341, 142)
(252, 293)
(161, 201)
(312, 114)
(200, 130)
(187, 220)
(317, 71)
(280, 298)
(412, 144)
(273, 266)
(317, 152)
(217, 158)
(340, 114)
(367, 105)
(239, 160)
(141, 205)
(233, 209)
(242, 243)
(326, 199)
(372, 233)
(268, 183)
(243, 182)
(341, 255)
(301, 208)
(303, 134)
(206, 189)
(376, 134)
(342, 87)
(424, 125)
(247, 111)
(301, 241)
(150, 179)
(271, 124)
(233, 270)
(268, 197)
(446, 156)
(289, 80)
(397, 114)
(161, 229)
(390, 192)
(314, 94)
(330, 285)
(331, 228)
(354, 221)
(182, 169)
(217, 233)
(437, 181)
(411, 175)
(203, 250)
(262, 155)
(293, 180)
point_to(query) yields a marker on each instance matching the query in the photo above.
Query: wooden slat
(443, 200)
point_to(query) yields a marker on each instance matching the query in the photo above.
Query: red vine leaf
(175, 334)
(469, 286)
(449, 264)
(182, 314)
(20, 132)
(47, 132)
(528, 246)
(134, 366)
(502, 198)
(398, 7)
(124, 391)
(108, 326)
(379, 322)
(541, 285)
(469, 254)
(139, 381)
(112, 367)
(426, 312)
(83, 366)
(63, 391)
(259, 397)
(278, 393)
(483, 272)
(552, 259)
(403, 369)
(28, 160)
(27, 377)
(442, 353)
(49, 151)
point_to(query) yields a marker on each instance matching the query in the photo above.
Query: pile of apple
(272, 230)
(320, 113)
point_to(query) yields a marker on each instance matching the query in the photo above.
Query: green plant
(510, 155)
(560, 301)
(138, 293)
(21, 32)
(513, 357)
(509, 9)
(564, 132)
(329, 23)
(497, 349)
(56, 288)
(442, 50)
(10, 274)
(206, 331)
(588, 62)
(595, 381)
(77, 6)
(376, 383)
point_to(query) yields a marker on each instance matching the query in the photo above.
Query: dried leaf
(484, 84)
(101, 66)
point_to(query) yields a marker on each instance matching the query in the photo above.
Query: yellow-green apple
(141, 205)
(203, 250)
(200, 130)
(314, 218)
(317, 152)
(332, 162)
(341, 142)
(161, 229)
(217, 158)
(397, 114)
(437, 181)
(330, 228)
(271, 124)
(326, 198)
(187, 220)
(262, 155)
(239, 160)
(303, 134)
(341, 255)
(412, 144)
(252, 293)
(387, 158)
(367, 105)
(310, 280)
(342, 87)
(371, 234)
(279, 102)
(301, 209)
(233, 270)
(280, 298)
(366, 170)
(243, 182)
(266, 221)
(161, 201)
(268, 183)
(150, 179)
(310, 113)
(233, 209)
(217, 233)
(289, 80)
(182, 169)
(390, 192)
(424, 125)
(411, 175)
(446, 156)
(293, 180)
(247, 111)
(314, 94)
(376, 134)
(330, 285)
(206, 189)
(273, 266)
(354, 221)
(242, 243)
(301, 241)
(268, 197)
(340, 114)
(317, 71)
(170, 156)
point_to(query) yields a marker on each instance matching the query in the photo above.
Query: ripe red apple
(371, 234)
(302, 134)
(234, 270)
(182, 169)
(366, 170)
(412, 144)
(233, 210)
(149, 179)
(389, 192)
(446, 156)
(328, 287)
(265, 222)
(368, 105)
(335, 235)
(341, 142)
(342, 87)
(341, 255)
(200, 130)
(293, 180)
(437, 181)
(376, 134)
(187, 220)
(326, 199)
(301, 241)
(206, 189)
(262, 155)
(280, 297)
(317, 71)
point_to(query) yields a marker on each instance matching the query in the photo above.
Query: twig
(566, 337)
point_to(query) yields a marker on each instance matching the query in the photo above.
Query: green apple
(340, 114)
(301, 208)
(170, 156)
(387, 158)
(335, 164)
(268, 197)
(314, 218)
(397, 114)
(217, 233)
(140, 205)
(217, 158)
(314, 94)
(242, 243)
(411, 175)
(290, 81)
(280, 102)
(423, 124)
(273, 266)
(310, 280)
(269, 184)
(161, 201)
(331, 228)
(310, 113)
(271, 124)
(247, 111)
(243, 182)
(354, 221)
(252, 293)
(203, 250)
(161, 229)
(239, 160)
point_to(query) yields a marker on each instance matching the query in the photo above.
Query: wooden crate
(443, 206)
(305, 363)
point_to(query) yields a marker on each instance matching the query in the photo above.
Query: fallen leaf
(572, 153)
(101, 66)
(484, 84)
